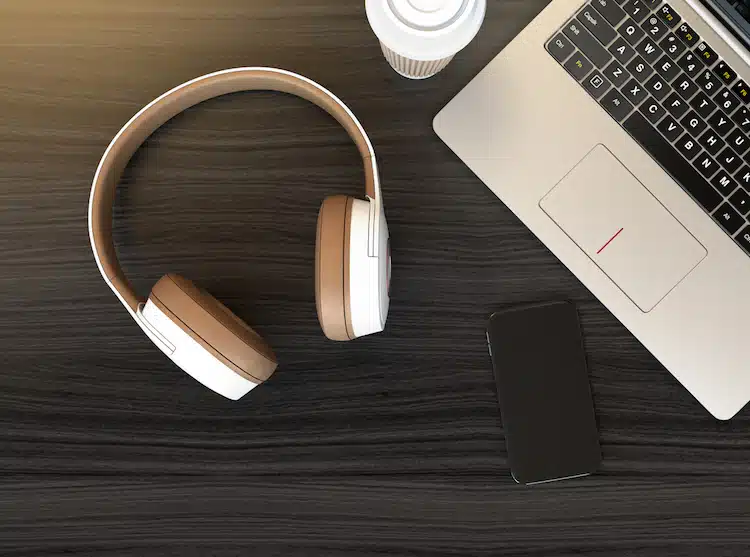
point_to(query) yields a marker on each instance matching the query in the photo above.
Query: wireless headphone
(198, 333)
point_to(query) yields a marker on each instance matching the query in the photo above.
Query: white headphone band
(159, 111)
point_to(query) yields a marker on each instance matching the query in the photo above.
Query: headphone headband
(170, 104)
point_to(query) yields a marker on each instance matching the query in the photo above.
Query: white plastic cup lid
(426, 29)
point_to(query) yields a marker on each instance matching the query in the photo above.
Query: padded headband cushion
(215, 327)
(153, 116)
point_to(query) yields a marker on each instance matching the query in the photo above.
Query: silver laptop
(618, 131)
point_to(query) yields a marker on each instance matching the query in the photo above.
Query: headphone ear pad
(214, 327)
(332, 294)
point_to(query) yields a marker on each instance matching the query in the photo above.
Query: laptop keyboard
(672, 93)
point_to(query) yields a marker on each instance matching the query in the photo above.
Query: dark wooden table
(391, 445)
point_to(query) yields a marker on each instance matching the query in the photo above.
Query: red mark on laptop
(612, 239)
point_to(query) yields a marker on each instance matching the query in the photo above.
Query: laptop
(618, 131)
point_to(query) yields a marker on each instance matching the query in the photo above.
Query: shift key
(587, 44)
(597, 25)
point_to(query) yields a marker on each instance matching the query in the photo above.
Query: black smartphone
(543, 388)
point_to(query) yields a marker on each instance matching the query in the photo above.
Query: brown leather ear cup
(332, 267)
(215, 327)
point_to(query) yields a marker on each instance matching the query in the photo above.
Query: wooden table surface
(390, 445)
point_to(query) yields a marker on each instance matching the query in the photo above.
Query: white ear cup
(368, 285)
(195, 359)
(384, 268)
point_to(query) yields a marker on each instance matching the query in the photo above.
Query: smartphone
(544, 393)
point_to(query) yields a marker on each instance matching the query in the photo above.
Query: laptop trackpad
(623, 228)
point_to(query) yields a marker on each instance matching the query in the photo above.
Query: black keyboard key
(669, 16)
(742, 90)
(634, 92)
(617, 105)
(654, 28)
(729, 219)
(730, 160)
(720, 122)
(688, 147)
(652, 110)
(743, 239)
(560, 47)
(649, 50)
(727, 101)
(706, 53)
(636, 9)
(711, 142)
(578, 66)
(690, 64)
(673, 46)
(685, 86)
(651, 3)
(609, 10)
(596, 84)
(727, 74)
(738, 141)
(598, 26)
(616, 74)
(702, 104)
(708, 82)
(667, 68)
(640, 70)
(687, 34)
(706, 165)
(675, 105)
(622, 51)
(587, 44)
(657, 87)
(741, 117)
(743, 176)
(682, 172)
(693, 123)
(631, 32)
(740, 200)
(724, 182)
(670, 128)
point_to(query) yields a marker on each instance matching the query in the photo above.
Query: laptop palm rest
(623, 228)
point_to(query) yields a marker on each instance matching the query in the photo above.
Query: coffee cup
(420, 37)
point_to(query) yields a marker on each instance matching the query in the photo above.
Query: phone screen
(543, 388)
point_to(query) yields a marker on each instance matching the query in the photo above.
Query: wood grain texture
(390, 445)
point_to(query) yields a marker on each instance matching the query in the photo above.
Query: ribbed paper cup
(414, 69)
(420, 37)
